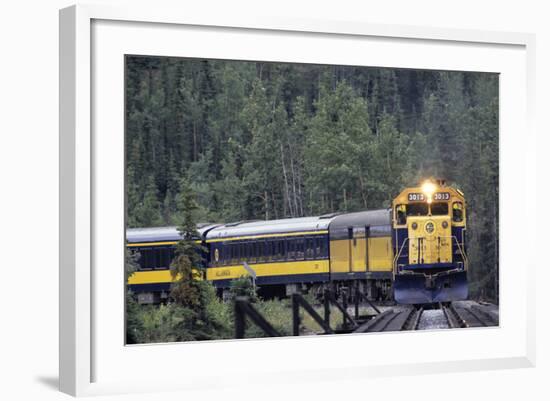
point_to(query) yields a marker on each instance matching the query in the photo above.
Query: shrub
(243, 287)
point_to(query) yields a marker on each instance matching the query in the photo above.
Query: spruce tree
(186, 269)
(198, 313)
(134, 326)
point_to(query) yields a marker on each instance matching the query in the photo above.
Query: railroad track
(476, 315)
(432, 317)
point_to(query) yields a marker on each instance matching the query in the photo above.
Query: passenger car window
(309, 248)
(300, 249)
(291, 249)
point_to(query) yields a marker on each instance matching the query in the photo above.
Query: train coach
(155, 248)
(416, 249)
(286, 255)
(305, 253)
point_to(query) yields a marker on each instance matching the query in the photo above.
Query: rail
(392, 320)
(476, 316)
(445, 315)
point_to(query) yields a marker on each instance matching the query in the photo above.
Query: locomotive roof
(261, 227)
(152, 234)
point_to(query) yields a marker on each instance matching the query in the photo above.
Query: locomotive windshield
(417, 209)
(440, 209)
(425, 209)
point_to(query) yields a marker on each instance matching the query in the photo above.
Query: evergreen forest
(260, 140)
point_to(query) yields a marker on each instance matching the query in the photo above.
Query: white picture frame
(89, 362)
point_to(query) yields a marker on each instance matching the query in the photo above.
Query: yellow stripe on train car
(236, 271)
(268, 269)
(150, 277)
(155, 277)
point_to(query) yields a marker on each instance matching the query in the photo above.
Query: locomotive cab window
(458, 212)
(401, 214)
(439, 209)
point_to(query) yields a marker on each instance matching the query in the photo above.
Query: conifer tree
(197, 309)
(133, 322)
(187, 267)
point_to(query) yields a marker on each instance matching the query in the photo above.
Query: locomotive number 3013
(416, 197)
(441, 196)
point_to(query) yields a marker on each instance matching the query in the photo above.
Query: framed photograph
(260, 188)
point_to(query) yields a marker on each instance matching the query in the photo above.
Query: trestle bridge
(381, 317)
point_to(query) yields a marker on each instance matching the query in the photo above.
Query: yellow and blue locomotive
(416, 247)
(429, 242)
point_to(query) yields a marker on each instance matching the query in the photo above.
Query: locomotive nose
(429, 240)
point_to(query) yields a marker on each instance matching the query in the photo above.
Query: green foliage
(159, 323)
(174, 322)
(339, 145)
(130, 263)
(133, 324)
(243, 287)
(277, 312)
(210, 319)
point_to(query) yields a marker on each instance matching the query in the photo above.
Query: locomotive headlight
(445, 224)
(428, 188)
(414, 226)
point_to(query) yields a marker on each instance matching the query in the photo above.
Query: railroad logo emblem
(223, 273)
(429, 227)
